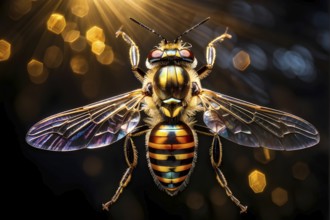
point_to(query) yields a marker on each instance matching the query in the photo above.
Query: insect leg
(140, 130)
(216, 156)
(134, 55)
(203, 130)
(131, 160)
(211, 55)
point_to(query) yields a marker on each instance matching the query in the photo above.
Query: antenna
(192, 28)
(148, 28)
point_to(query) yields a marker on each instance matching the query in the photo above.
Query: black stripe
(174, 174)
(171, 161)
(173, 152)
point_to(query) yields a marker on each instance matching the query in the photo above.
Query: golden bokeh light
(5, 50)
(98, 47)
(71, 36)
(70, 32)
(53, 57)
(80, 8)
(195, 200)
(257, 181)
(241, 60)
(79, 65)
(37, 72)
(300, 170)
(19, 8)
(263, 155)
(79, 44)
(279, 196)
(92, 166)
(106, 57)
(39, 79)
(95, 33)
(56, 23)
(35, 67)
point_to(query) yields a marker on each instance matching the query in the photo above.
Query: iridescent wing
(255, 126)
(91, 126)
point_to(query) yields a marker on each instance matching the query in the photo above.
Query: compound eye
(155, 54)
(186, 54)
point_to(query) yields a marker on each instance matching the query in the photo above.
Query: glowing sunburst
(76, 22)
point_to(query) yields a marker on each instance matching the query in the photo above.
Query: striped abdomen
(171, 150)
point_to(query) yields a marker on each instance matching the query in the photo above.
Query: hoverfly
(170, 96)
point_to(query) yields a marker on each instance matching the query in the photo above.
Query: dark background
(288, 42)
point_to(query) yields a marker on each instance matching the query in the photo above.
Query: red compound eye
(155, 54)
(186, 54)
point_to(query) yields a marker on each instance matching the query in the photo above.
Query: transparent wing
(91, 126)
(255, 126)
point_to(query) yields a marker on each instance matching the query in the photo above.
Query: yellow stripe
(163, 77)
(166, 112)
(171, 146)
(183, 146)
(176, 180)
(182, 168)
(179, 75)
(159, 140)
(159, 156)
(166, 169)
(161, 168)
(171, 75)
(182, 140)
(176, 111)
(172, 189)
(165, 156)
(183, 156)
(160, 146)
(164, 133)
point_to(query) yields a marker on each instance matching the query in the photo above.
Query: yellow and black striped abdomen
(171, 154)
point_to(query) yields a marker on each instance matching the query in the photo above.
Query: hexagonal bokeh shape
(19, 8)
(98, 47)
(106, 57)
(79, 65)
(241, 60)
(56, 23)
(279, 196)
(80, 10)
(257, 181)
(95, 33)
(35, 67)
